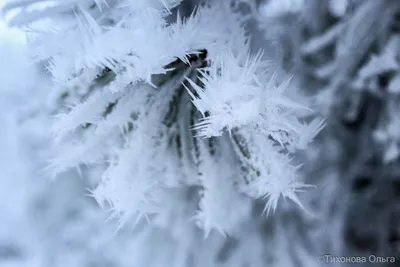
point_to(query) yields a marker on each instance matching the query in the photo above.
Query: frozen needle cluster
(165, 105)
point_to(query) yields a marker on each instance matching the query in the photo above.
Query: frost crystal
(165, 102)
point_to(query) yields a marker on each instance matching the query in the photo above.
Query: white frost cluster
(163, 102)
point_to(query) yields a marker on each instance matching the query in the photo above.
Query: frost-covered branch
(165, 102)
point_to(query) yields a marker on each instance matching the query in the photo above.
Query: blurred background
(343, 53)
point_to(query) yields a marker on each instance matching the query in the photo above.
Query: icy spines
(174, 105)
